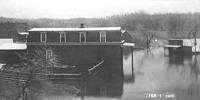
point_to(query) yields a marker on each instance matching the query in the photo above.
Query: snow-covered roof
(77, 29)
(13, 46)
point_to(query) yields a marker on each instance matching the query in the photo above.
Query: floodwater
(155, 77)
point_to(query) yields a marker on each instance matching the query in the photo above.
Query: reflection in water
(161, 75)
(167, 77)
(188, 70)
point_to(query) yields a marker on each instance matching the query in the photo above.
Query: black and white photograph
(99, 49)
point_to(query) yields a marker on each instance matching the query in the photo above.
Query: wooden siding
(92, 37)
(175, 51)
(76, 43)
(73, 37)
(176, 42)
(87, 55)
(52, 37)
(113, 36)
(186, 50)
(10, 56)
(34, 37)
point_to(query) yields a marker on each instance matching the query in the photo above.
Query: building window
(82, 36)
(43, 37)
(102, 36)
(49, 54)
(62, 36)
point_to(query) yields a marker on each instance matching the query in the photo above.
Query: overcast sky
(91, 8)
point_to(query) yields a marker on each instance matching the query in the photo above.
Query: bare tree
(34, 66)
(149, 36)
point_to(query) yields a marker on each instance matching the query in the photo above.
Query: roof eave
(77, 29)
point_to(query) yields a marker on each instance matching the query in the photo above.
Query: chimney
(82, 25)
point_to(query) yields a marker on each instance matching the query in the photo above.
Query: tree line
(169, 25)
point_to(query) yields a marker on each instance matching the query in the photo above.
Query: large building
(83, 47)
(76, 48)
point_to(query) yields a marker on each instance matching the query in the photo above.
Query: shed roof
(23, 33)
(172, 46)
(129, 44)
(77, 29)
(176, 39)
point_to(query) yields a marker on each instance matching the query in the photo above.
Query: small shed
(182, 46)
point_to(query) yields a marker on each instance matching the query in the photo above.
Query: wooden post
(122, 62)
(166, 51)
(132, 61)
(195, 43)
(83, 86)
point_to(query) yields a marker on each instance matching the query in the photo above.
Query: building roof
(129, 44)
(172, 46)
(23, 33)
(13, 46)
(7, 44)
(77, 29)
(176, 39)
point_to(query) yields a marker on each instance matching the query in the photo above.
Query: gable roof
(77, 29)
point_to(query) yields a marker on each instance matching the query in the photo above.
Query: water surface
(155, 77)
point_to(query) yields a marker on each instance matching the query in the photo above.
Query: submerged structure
(82, 47)
(182, 46)
(75, 50)
(180, 49)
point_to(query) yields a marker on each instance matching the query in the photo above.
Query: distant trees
(176, 25)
